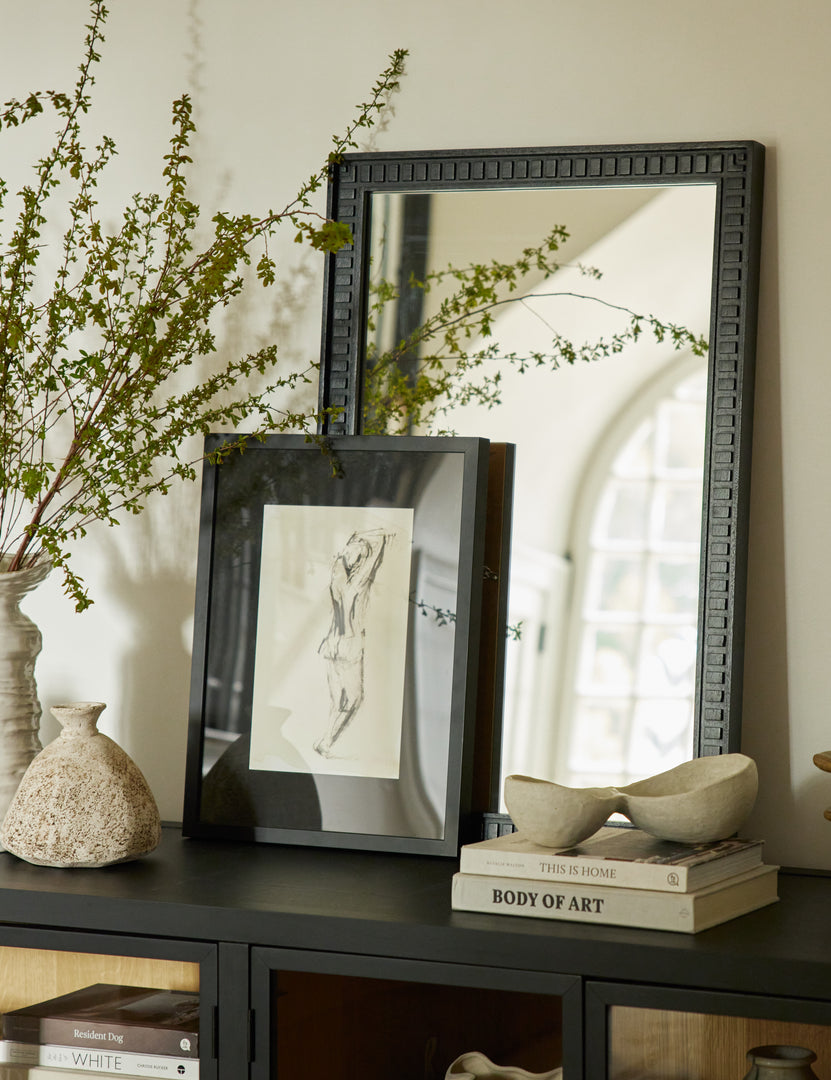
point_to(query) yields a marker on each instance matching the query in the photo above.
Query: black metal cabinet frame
(246, 913)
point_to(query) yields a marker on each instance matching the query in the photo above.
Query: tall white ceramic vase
(20, 643)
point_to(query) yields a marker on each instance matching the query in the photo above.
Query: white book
(84, 1061)
(604, 904)
(616, 856)
(44, 1072)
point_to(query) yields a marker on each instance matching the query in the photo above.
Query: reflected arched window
(630, 677)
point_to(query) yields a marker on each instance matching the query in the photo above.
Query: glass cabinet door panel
(38, 964)
(337, 1027)
(658, 1044)
(31, 975)
(410, 1020)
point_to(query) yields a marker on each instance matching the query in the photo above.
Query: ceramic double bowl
(697, 802)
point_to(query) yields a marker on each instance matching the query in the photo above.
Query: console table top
(399, 906)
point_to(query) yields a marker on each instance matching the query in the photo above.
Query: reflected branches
(452, 358)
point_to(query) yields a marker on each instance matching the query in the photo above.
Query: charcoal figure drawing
(354, 570)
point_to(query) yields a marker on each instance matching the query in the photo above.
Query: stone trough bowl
(697, 802)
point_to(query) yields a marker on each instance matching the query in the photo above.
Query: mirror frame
(736, 169)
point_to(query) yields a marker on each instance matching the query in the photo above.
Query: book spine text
(93, 1061)
(61, 1031)
(474, 892)
(586, 871)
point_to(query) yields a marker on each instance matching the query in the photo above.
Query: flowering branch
(91, 422)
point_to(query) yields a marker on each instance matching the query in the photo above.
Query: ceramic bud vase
(780, 1063)
(83, 801)
(20, 643)
(476, 1066)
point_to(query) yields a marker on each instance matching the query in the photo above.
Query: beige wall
(278, 78)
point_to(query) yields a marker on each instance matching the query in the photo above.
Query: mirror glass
(603, 606)
(627, 589)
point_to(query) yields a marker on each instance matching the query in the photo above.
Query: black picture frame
(735, 168)
(358, 563)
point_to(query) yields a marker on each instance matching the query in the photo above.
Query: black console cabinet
(313, 954)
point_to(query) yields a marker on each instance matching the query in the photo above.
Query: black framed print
(336, 642)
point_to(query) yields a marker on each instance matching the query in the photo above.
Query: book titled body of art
(648, 908)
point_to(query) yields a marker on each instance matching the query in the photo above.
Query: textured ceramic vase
(780, 1063)
(20, 643)
(476, 1066)
(82, 802)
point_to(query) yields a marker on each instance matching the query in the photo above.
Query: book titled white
(648, 908)
(87, 1061)
(628, 858)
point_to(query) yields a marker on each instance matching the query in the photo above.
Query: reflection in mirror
(610, 454)
(629, 546)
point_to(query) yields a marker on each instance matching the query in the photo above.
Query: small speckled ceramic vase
(82, 802)
(780, 1063)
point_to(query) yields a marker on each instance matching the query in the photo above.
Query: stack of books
(105, 1029)
(620, 876)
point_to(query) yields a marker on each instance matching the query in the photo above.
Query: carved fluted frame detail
(736, 170)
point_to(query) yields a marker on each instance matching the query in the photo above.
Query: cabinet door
(327, 1016)
(659, 1033)
(38, 964)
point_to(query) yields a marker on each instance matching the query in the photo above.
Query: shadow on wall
(811, 799)
(131, 649)
(765, 711)
(153, 589)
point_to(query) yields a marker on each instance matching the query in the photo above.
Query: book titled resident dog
(110, 1017)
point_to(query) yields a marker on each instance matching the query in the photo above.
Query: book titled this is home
(617, 856)
(110, 1017)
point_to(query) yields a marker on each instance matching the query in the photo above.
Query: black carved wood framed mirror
(633, 468)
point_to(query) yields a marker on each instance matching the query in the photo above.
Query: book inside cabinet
(43, 970)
